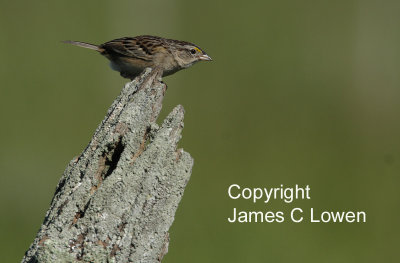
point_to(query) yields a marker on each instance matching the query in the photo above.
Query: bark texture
(117, 200)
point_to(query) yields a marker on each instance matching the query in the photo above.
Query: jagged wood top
(117, 200)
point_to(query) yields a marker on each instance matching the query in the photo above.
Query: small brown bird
(131, 55)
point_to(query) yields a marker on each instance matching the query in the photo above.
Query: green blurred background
(299, 92)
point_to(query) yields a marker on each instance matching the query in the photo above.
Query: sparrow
(131, 55)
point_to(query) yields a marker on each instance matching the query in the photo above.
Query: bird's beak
(205, 57)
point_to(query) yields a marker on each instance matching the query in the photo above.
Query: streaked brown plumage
(131, 55)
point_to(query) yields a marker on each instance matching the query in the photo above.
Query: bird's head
(186, 54)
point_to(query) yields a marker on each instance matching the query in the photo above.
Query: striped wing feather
(141, 47)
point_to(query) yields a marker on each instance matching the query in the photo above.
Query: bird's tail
(82, 44)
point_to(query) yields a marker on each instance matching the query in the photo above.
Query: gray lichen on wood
(117, 200)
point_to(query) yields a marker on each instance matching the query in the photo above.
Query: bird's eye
(193, 51)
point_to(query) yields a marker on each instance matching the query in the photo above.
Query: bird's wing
(141, 47)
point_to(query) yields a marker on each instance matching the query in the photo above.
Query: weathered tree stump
(117, 200)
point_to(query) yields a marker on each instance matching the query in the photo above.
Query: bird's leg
(159, 72)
